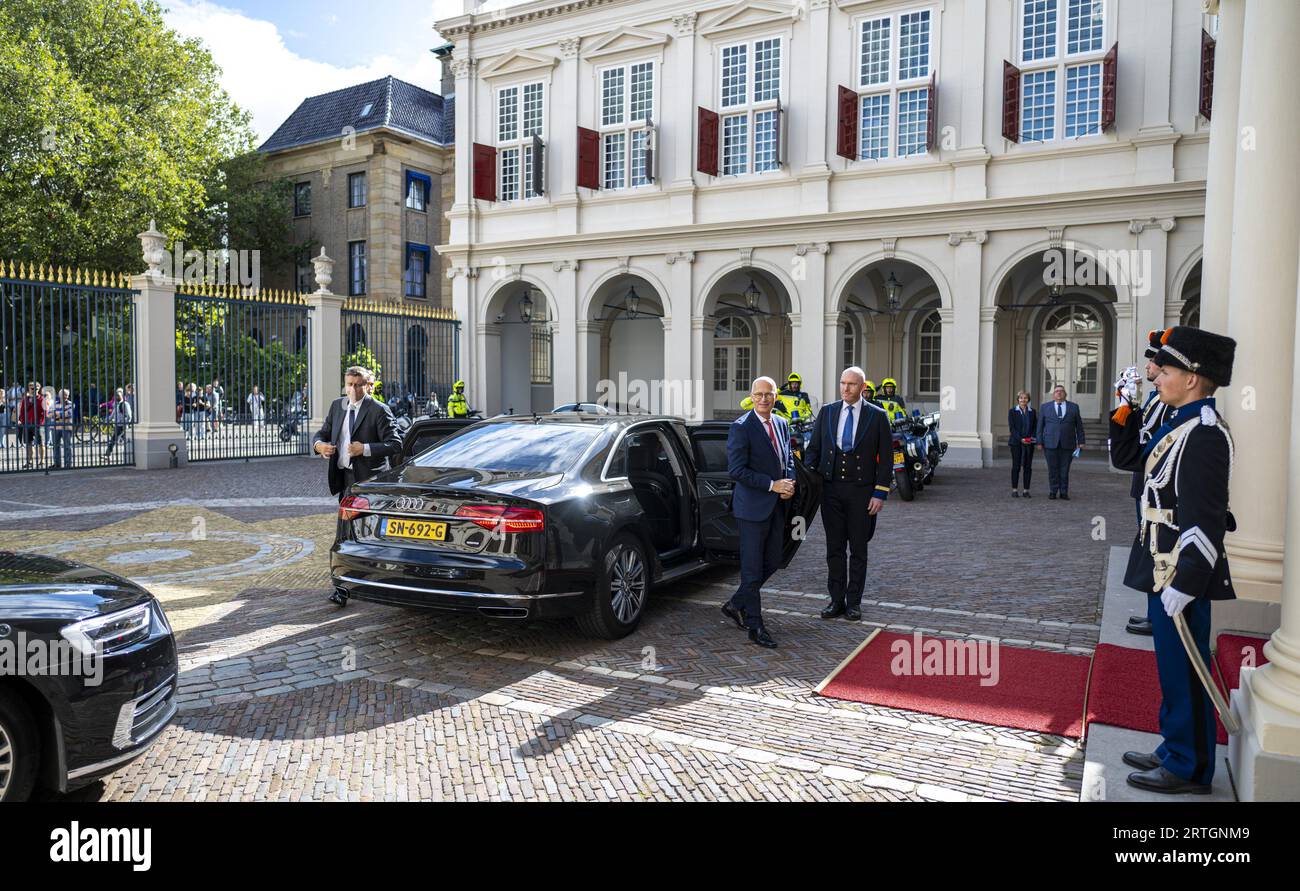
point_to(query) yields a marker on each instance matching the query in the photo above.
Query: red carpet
(1125, 690)
(1231, 653)
(1035, 690)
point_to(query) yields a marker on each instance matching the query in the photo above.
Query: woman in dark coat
(1022, 422)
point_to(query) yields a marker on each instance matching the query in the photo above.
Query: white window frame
(1062, 61)
(517, 146)
(751, 109)
(894, 85)
(922, 337)
(631, 130)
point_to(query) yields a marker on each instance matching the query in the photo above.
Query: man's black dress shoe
(1026, 494)
(1051, 496)
(735, 615)
(853, 614)
(340, 598)
(832, 610)
(1157, 779)
(760, 636)
(1015, 493)
(1065, 497)
(1142, 760)
(1137, 625)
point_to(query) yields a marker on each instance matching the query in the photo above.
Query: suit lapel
(834, 431)
(862, 413)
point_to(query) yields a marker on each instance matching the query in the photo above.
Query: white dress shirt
(844, 419)
(352, 412)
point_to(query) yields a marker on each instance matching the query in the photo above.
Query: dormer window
(367, 108)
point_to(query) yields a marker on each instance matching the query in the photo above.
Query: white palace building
(803, 186)
(972, 196)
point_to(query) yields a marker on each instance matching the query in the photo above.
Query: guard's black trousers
(848, 529)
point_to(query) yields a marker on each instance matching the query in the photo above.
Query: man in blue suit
(760, 461)
(1060, 430)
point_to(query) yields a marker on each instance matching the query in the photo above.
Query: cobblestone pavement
(284, 696)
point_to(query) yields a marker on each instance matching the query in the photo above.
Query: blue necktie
(846, 442)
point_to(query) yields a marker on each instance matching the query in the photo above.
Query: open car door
(719, 531)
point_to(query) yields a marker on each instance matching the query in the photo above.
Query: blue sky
(275, 53)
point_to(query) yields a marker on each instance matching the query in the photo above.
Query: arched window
(1072, 318)
(929, 353)
(356, 337)
(731, 327)
(848, 345)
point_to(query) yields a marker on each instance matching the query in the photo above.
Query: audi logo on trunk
(409, 502)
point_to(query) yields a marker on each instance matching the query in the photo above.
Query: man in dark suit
(761, 463)
(1060, 430)
(852, 449)
(357, 438)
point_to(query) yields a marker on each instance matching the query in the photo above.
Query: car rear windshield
(527, 448)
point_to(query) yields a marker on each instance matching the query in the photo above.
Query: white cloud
(265, 77)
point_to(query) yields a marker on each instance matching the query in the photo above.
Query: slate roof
(394, 104)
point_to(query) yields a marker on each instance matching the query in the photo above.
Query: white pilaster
(1262, 308)
(564, 365)
(1147, 285)
(1222, 164)
(679, 128)
(1156, 137)
(961, 394)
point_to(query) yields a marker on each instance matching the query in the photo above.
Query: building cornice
(1103, 206)
(454, 29)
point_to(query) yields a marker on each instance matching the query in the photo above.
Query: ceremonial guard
(1178, 557)
(1135, 429)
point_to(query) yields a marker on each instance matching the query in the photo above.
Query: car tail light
(499, 518)
(353, 506)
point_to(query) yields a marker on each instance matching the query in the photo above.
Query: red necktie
(771, 432)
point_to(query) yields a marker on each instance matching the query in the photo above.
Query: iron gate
(413, 352)
(67, 368)
(242, 364)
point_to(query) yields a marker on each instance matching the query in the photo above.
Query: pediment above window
(517, 62)
(625, 40)
(750, 14)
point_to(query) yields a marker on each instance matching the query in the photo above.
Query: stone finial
(324, 271)
(153, 245)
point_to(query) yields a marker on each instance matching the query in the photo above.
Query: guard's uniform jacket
(1185, 467)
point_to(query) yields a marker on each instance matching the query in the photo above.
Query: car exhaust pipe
(504, 612)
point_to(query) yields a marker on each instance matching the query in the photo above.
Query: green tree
(364, 357)
(108, 119)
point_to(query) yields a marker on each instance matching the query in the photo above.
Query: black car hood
(39, 587)
(516, 484)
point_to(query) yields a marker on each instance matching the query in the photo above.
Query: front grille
(143, 716)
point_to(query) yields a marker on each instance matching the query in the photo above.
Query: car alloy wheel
(627, 584)
(6, 761)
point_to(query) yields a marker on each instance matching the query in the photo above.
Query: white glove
(1175, 601)
(1127, 385)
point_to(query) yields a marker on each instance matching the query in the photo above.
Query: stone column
(702, 357)
(1221, 167)
(1156, 137)
(964, 330)
(678, 128)
(970, 161)
(808, 338)
(832, 349)
(564, 369)
(324, 376)
(1265, 756)
(489, 382)
(156, 430)
(588, 333)
(462, 209)
(1147, 284)
(814, 106)
(561, 145)
(683, 374)
(462, 304)
(1262, 308)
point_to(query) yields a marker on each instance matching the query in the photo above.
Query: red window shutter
(706, 160)
(1010, 102)
(588, 158)
(485, 172)
(1207, 73)
(846, 130)
(932, 117)
(1109, 69)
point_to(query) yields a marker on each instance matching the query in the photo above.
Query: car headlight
(111, 632)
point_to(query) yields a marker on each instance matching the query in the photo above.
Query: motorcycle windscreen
(802, 510)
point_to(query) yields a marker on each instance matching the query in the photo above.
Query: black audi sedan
(87, 673)
(566, 514)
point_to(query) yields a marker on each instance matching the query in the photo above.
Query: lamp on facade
(633, 301)
(526, 306)
(893, 287)
(1054, 295)
(752, 295)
